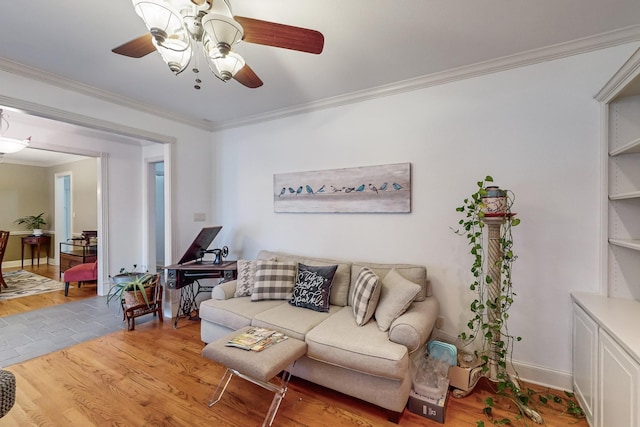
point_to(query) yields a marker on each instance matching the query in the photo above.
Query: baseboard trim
(545, 377)
(27, 262)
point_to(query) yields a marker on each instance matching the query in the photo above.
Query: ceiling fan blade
(280, 35)
(136, 48)
(247, 77)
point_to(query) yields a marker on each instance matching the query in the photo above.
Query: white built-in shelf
(625, 196)
(620, 317)
(628, 148)
(626, 243)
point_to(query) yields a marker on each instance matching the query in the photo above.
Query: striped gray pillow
(366, 292)
(274, 280)
(246, 278)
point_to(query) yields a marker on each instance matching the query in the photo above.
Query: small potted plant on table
(33, 222)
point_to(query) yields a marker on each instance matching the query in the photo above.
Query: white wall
(535, 129)
(191, 163)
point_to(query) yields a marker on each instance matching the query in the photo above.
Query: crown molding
(620, 83)
(75, 86)
(52, 113)
(531, 57)
(549, 53)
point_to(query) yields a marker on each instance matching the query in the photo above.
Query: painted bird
(309, 190)
(361, 188)
(299, 190)
(282, 191)
(320, 190)
(383, 187)
(373, 188)
(335, 190)
(291, 190)
(396, 186)
(348, 189)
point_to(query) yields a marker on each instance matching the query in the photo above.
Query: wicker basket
(7, 392)
(135, 298)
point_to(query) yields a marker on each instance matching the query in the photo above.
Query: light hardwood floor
(155, 375)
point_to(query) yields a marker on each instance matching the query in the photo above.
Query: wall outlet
(199, 217)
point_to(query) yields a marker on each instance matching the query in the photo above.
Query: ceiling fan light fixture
(225, 67)
(164, 23)
(220, 32)
(177, 60)
(9, 145)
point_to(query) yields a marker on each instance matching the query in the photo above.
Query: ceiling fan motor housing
(192, 21)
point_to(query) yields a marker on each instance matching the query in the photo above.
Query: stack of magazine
(256, 339)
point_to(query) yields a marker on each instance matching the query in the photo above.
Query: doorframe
(148, 186)
(98, 125)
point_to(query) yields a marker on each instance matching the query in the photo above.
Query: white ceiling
(40, 158)
(370, 47)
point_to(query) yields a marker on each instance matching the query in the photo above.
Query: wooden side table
(36, 241)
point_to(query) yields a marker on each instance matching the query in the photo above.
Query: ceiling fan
(177, 26)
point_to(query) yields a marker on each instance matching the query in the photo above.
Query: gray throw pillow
(246, 278)
(396, 295)
(313, 287)
(366, 292)
(274, 280)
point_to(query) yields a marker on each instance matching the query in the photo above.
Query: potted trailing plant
(132, 286)
(490, 207)
(33, 222)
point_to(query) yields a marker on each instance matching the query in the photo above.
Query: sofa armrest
(413, 328)
(224, 290)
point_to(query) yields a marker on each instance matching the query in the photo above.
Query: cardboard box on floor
(427, 407)
(463, 378)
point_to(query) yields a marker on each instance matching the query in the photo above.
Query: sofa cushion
(246, 277)
(313, 287)
(341, 280)
(340, 342)
(234, 313)
(415, 273)
(274, 280)
(366, 292)
(396, 295)
(293, 321)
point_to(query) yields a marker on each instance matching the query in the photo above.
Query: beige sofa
(360, 361)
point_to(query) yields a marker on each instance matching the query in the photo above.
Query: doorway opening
(159, 213)
(63, 210)
(154, 189)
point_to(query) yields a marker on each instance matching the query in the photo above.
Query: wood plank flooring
(155, 375)
(34, 302)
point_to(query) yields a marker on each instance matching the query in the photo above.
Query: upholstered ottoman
(7, 391)
(259, 368)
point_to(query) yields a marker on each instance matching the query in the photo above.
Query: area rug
(24, 283)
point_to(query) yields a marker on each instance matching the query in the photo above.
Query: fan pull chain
(196, 70)
(198, 81)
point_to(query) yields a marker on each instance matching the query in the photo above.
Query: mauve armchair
(87, 272)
